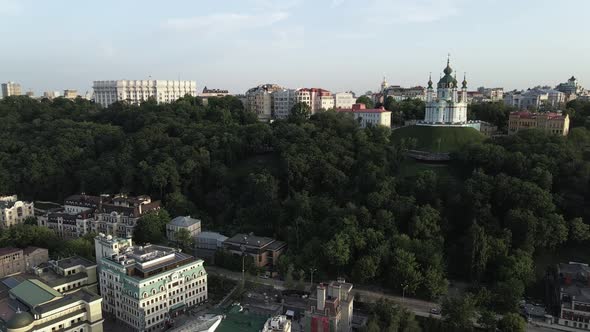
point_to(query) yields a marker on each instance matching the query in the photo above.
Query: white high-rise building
(344, 100)
(136, 91)
(11, 89)
(448, 106)
(283, 102)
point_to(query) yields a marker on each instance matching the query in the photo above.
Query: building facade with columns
(13, 211)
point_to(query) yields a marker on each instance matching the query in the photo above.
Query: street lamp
(404, 286)
(311, 271)
(243, 249)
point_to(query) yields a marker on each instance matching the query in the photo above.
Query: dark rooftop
(29, 250)
(67, 263)
(8, 251)
(250, 240)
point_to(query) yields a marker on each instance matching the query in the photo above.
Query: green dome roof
(448, 81)
(448, 70)
(20, 320)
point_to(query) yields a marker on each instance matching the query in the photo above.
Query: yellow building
(554, 123)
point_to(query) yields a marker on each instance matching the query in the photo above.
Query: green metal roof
(20, 320)
(33, 292)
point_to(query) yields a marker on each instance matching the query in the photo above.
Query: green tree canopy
(366, 100)
(151, 228)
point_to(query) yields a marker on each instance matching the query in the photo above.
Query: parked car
(435, 311)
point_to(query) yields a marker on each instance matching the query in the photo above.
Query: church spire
(464, 80)
(448, 70)
(430, 80)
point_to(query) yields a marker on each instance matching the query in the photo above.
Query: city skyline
(339, 45)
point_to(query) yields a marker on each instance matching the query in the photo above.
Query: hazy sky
(334, 44)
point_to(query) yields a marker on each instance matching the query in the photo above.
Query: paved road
(417, 306)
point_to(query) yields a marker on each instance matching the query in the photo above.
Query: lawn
(438, 139)
(410, 167)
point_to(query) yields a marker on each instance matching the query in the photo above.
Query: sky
(339, 45)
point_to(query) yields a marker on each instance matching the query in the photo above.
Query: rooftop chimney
(321, 305)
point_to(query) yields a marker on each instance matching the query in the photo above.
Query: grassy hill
(438, 139)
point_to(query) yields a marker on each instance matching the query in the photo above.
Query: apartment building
(492, 94)
(369, 117)
(138, 91)
(13, 211)
(344, 100)
(14, 260)
(316, 99)
(11, 89)
(50, 94)
(534, 99)
(146, 286)
(399, 93)
(68, 225)
(82, 214)
(70, 94)
(119, 215)
(283, 102)
(555, 123)
(260, 101)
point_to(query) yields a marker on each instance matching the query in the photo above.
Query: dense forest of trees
(328, 188)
